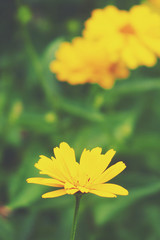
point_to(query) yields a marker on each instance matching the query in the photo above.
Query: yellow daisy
(91, 174)
(155, 3)
(133, 35)
(84, 61)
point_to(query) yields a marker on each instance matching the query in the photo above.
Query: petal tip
(63, 143)
(112, 150)
(36, 165)
(96, 149)
(43, 196)
(110, 153)
(126, 193)
(29, 180)
(123, 164)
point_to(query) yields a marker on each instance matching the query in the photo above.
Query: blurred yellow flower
(85, 61)
(133, 35)
(50, 117)
(16, 111)
(155, 3)
(90, 175)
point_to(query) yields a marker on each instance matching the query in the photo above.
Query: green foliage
(24, 15)
(104, 212)
(6, 230)
(37, 113)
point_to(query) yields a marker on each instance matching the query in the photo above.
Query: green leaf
(24, 14)
(49, 81)
(112, 132)
(107, 210)
(6, 230)
(134, 85)
(22, 194)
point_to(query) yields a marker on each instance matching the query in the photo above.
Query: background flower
(134, 35)
(113, 41)
(155, 3)
(84, 61)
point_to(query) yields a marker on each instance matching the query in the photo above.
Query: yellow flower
(84, 61)
(155, 3)
(133, 35)
(90, 175)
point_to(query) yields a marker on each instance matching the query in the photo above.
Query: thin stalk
(78, 198)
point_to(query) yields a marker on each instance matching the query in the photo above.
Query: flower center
(127, 29)
(113, 68)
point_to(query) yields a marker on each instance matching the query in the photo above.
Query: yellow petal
(102, 193)
(46, 165)
(153, 44)
(72, 191)
(108, 157)
(54, 194)
(135, 54)
(93, 163)
(65, 159)
(110, 173)
(45, 181)
(60, 169)
(86, 157)
(88, 164)
(111, 188)
(103, 163)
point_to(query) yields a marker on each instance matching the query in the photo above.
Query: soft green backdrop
(37, 113)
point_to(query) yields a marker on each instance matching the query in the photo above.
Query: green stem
(78, 198)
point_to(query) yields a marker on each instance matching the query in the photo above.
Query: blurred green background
(37, 113)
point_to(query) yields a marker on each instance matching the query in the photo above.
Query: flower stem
(78, 198)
